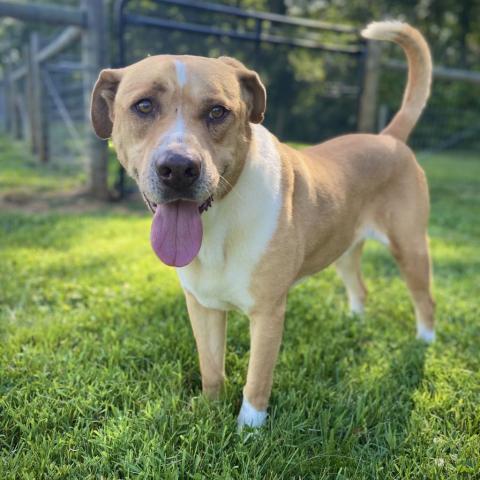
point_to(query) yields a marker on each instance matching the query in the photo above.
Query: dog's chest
(220, 276)
(237, 231)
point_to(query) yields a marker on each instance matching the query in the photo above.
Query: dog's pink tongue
(176, 234)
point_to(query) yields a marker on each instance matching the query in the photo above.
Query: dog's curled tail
(419, 73)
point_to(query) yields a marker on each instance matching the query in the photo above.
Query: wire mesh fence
(50, 65)
(65, 109)
(312, 70)
(49, 115)
(447, 128)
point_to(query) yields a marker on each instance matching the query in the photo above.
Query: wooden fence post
(94, 57)
(382, 117)
(367, 115)
(39, 125)
(15, 114)
(3, 106)
(23, 127)
(32, 132)
(9, 99)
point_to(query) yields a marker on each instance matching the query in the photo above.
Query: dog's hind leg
(348, 267)
(413, 258)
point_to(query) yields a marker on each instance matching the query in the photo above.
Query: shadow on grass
(364, 431)
(345, 386)
(396, 390)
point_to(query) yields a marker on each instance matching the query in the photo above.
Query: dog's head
(180, 124)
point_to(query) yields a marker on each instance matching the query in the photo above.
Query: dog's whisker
(228, 184)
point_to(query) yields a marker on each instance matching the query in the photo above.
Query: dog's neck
(258, 178)
(238, 229)
(234, 167)
(255, 199)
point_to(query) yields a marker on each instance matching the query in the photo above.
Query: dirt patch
(76, 201)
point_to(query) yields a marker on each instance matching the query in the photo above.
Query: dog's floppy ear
(101, 106)
(255, 92)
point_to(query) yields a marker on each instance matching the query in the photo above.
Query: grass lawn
(99, 373)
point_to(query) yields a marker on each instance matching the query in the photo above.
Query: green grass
(20, 173)
(21, 177)
(99, 374)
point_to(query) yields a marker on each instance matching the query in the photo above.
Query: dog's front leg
(266, 328)
(209, 329)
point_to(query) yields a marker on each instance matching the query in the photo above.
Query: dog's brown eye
(144, 106)
(217, 113)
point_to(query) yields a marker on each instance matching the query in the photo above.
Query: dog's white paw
(249, 416)
(356, 306)
(425, 334)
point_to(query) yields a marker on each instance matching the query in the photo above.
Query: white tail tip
(387, 30)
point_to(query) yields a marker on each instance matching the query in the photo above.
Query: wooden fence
(24, 109)
(27, 85)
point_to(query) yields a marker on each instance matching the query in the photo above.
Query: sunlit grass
(20, 172)
(99, 374)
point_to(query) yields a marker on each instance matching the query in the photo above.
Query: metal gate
(255, 38)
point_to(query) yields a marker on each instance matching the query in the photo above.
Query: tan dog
(186, 129)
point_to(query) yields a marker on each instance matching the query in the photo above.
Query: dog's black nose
(178, 171)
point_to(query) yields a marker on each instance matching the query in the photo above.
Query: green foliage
(99, 375)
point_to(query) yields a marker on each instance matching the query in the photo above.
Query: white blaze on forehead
(177, 131)
(181, 73)
(179, 127)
